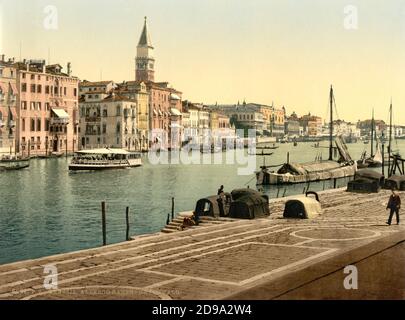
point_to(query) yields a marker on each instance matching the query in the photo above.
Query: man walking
(394, 204)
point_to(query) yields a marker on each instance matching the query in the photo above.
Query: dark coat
(394, 202)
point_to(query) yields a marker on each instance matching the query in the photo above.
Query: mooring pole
(382, 153)
(127, 220)
(103, 222)
(331, 124)
(168, 219)
(172, 208)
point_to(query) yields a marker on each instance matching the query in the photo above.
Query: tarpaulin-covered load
(238, 193)
(302, 207)
(370, 174)
(364, 185)
(248, 204)
(310, 167)
(395, 182)
(366, 180)
(213, 206)
(240, 203)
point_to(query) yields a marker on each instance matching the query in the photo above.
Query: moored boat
(12, 162)
(312, 171)
(103, 159)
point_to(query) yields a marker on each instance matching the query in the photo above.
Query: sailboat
(312, 171)
(375, 160)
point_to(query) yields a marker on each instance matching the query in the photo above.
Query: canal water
(46, 210)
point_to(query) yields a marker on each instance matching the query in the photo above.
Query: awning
(4, 112)
(60, 113)
(155, 112)
(13, 113)
(13, 88)
(175, 112)
(174, 97)
(160, 113)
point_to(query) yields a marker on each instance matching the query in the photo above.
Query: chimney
(69, 71)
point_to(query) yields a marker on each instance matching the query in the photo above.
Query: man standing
(394, 204)
(220, 190)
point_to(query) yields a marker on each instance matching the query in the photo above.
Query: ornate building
(8, 101)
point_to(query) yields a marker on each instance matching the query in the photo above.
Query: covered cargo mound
(371, 175)
(364, 185)
(310, 167)
(395, 182)
(238, 193)
(302, 207)
(210, 206)
(366, 181)
(249, 206)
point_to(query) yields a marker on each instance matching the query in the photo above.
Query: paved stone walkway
(218, 261)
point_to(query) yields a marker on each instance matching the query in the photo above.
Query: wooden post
(285, 190)
(334, 183)
(172, 208)
(383, 160)
(278, 191)
(127, 219)
(168, 219)
(29, 148)
(103, 222)
(66, 146)
(288, 158)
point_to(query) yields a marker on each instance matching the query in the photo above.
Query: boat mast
(372, 135)
(389, 140)
(331, 123)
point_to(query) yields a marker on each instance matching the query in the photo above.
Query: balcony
(93, 119)
(59, 121)
(13, 98)
(92, 133)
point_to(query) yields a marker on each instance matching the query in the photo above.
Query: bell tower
(145, 63)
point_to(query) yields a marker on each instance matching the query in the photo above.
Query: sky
(286, 52)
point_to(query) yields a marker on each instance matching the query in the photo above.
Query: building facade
(292, 125)
(108, 121)
(47, 109)
(8, 103)
(312, 125)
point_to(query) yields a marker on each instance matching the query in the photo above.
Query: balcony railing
(59, 121)
(92, 133)
(93, 119)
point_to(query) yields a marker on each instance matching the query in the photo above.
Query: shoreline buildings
(38, 108)
(157, 106)
(266, 120)
(8, 104)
